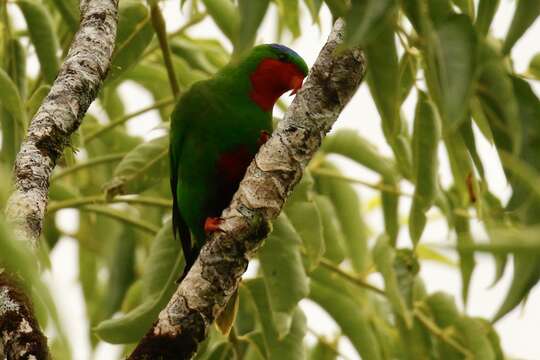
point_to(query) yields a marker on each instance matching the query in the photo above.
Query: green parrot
(217, 128)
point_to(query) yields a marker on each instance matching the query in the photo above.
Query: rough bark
(76, 86)
(20, 335)
(278, 166)
(61, 113)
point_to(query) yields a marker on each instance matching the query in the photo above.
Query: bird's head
(274, 70)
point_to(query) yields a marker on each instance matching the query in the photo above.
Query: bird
(217, 127)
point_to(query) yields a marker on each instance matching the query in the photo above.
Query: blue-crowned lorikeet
(217, 127)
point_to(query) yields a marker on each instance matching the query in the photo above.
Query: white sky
(518, 330)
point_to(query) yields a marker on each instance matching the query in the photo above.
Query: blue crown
(284, 49)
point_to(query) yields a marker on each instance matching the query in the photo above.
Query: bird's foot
(263, 138)
(211, 224)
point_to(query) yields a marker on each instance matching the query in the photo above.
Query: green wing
(178, 129)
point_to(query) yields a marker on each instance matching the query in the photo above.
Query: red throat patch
(271, 79)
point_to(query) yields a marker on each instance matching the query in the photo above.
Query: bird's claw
(263, 138)
(211, 224)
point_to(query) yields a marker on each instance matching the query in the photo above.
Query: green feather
(213, 118)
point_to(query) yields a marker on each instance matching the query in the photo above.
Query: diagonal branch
(61, 113)
(278, 166)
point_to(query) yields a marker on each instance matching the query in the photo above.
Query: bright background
(519, 330)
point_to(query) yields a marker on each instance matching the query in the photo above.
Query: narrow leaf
(43, 36)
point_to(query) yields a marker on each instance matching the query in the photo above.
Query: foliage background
(111, 255)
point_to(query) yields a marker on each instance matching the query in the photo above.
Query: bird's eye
(282, 57)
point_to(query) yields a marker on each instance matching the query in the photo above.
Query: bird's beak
(296, 84)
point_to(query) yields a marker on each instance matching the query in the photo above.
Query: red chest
(232, 165)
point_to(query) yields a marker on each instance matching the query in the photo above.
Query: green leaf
(408, 67)
(523, 170)
(338, 8)
(12, 116)
(133, 297)
(474, 337)
(323, 351)
(350, 144)
(198, 53)
(383, 79)
(121, 264)
(390, 208)
(534, 66)
(467, 134)
(11, 100)
(35, 101)
(43, 36)
(252, 13)
(347, 204)
(425, 252)
(289, 347)
(289, 13)
(16, 64)
(526, 13)
(498, 101)
(423, 14)
(225, 15)
(492, 336)
(526, 275)
(425, 139)
(384, 257)
(456, 60)
(284, 275)
(141, 168)
(163, 267)
(366, 19)
(334, 239)
(403, 154)
(154, 79)
(466, 7)
(306, 219)
(69, 9)
(351, 318)
(134, 34)
(443, 308)
(486, 13)
(416, 342)
(464, 238)
(165, 254)
(111, 102)
(314, 7)
(406, 268)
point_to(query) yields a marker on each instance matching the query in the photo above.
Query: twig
(380, 187)
(159, 26)
(83, 165)
(121, 120)
(194, 20)
(441, 334)
(120, 216)
(101, 199)
(351, 278)
(277, 167)
(328, 345)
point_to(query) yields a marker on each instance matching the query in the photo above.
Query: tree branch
(61, 113)
(278, 166)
